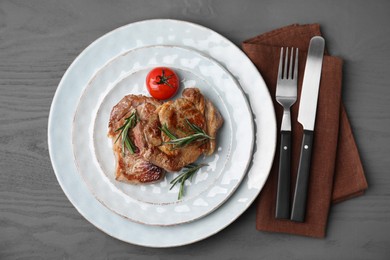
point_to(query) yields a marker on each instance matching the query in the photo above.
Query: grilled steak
(212, 116)
(133, 168)
(153, 155)
(195, 108)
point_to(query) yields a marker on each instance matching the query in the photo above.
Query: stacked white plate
(116, 65)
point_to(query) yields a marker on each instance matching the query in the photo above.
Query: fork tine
(280, 64)
(291, 64)
(296, 65)
(285, 64)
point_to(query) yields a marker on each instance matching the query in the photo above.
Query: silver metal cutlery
(286, 95)
(306, 116)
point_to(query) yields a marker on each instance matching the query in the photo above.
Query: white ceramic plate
(157, 204)
(98, 55)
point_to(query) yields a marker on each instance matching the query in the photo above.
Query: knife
(307, 116)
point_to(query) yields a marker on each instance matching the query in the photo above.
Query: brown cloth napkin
(336, 170)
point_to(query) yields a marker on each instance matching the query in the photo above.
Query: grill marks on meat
(194, 107)
(213, 118)
(132, 168)
(173, 115)
(153, 154)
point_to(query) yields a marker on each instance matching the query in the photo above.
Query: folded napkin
(336, 170)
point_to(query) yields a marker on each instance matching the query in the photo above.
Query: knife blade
(306, 117)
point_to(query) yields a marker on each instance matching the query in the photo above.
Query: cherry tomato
(162, 83)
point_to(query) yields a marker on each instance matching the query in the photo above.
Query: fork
(286, 95)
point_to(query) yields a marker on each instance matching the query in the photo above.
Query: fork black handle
(283, 191)
(298, 211)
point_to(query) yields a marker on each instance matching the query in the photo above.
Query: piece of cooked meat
(192, 106)
(214, 119)
(133, 168)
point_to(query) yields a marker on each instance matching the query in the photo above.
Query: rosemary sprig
(190, 171)
(198, 135)
(166, 131)
(130, 123)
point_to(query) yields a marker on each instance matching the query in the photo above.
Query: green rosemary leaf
(116, 140)
(166, 131)
(187, 174)
(129, 145)
(130, 123)
(120, 128)
(184, 141)
(198, 135)
(194, 127)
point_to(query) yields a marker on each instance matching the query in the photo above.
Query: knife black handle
(283, 192)
(298, 211)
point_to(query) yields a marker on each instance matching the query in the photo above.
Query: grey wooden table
(38, 41)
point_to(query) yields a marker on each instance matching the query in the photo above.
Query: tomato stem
(164, 79)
